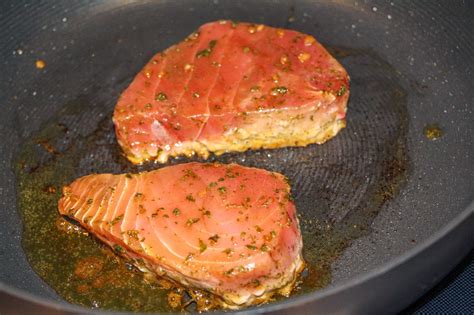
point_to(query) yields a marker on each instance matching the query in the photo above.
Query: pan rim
(450, 227)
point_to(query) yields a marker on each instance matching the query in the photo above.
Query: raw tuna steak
(227, 229)
(232, 87)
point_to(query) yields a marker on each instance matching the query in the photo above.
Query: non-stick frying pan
(397, 203)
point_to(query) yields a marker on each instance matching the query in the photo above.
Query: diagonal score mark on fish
(232, 87)
(203, 226)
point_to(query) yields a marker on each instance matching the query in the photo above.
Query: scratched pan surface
(385, 211)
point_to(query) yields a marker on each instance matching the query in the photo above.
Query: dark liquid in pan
(339, 187)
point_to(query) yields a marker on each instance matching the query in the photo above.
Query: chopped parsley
(202, 246)
(161, 97)
(206, 52)
(279, 90)
(228, 251)
(189, 173)
(341, 90)
(133, 234)
(118, 249)
(116, 220)
(192, 221)
(213, 239)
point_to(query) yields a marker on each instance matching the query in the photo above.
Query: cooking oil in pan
(432, 131)
(339, 187)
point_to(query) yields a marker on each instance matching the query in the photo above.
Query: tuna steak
(232, 87)
(227, 229)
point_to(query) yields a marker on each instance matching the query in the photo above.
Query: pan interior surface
(382, 163)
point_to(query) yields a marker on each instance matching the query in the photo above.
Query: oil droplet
(432, 131)
(40, 64)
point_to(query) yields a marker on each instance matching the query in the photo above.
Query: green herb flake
(192, 221)
(176, 211)
(255, 283)
(203, 53)
(154, 214)
(133, 234)
(212, 43)
(341, 90)
(118, 249)
(264, 248)
(90, 201)
(213, 239)
(161, 97)
(231, 174)
(279, 90)
(116, 220)
(251, 247)
(212, 184)
(222, 190)
(190, 198)
(202, 246)
(206, 52)
(228, 251)
(189, 173)
(258, 229)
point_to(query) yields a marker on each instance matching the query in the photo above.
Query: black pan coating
(411, 65)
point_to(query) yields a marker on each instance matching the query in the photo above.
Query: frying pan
(410, 196)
